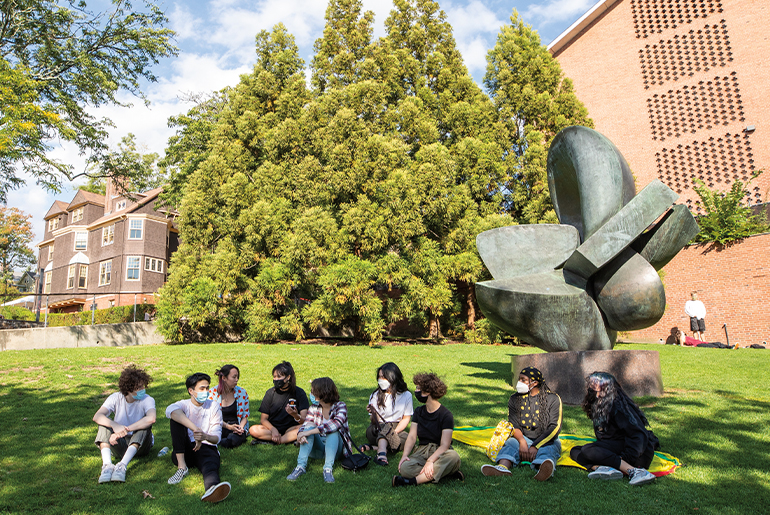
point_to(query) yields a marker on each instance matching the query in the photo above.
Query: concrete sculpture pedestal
(637, 371)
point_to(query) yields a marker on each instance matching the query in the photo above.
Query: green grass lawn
(715, 417)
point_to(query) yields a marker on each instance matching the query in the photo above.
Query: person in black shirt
(283, 408)
(534, 411)
(433, 424)
(623, 444)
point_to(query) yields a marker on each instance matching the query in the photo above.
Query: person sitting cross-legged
(129, 432)
(535, 412)
(196, 428)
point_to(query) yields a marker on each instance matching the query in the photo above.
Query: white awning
(79, 258)
(49, 266)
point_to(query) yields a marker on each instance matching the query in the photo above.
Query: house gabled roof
(57, 208)
(574, 30)
(147, 197)
(85, 197)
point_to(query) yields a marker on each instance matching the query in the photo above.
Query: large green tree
(310, 202)
(57, 60)
(535, 101)
(15, 240)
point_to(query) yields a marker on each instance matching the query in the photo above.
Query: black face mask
(279, 383)
(421, 397)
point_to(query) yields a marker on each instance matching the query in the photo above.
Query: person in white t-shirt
(129, 432)
(196, 428)
(697, 313)
(390, 409)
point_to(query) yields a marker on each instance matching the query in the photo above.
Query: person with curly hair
(325, 433)
(535, 412)
(433, 424)
(624, 445)
(390, 410)
(129, 432)
(283, 408)
(234, 402)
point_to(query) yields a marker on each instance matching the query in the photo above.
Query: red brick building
(108, 249)
(680, 86)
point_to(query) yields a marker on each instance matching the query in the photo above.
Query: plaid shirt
(338, 421)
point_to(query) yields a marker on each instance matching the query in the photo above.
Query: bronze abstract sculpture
(573, 286)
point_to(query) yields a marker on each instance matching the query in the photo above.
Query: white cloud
(183, 22)
(558, 11)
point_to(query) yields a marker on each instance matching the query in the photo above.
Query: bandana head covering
(533, 373)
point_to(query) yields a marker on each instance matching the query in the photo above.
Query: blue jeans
(328, 447)
(549, 451)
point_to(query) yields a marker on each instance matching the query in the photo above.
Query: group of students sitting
(318, 425)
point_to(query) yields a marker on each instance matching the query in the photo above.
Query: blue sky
(216, 42)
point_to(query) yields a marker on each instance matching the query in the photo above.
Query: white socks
(130, 453)
(106, 456)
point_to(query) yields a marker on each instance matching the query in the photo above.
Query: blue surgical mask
(312, 399)
(202, 396)
(140, 395)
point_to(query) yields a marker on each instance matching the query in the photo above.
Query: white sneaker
(545, 472)
(106, 474)
(217, 492)
(640, 477)
(495, 470)
(178, 476)
(119, 474)
(606, 473)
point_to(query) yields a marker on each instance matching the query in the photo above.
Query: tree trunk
(470, 300)
(434, 327)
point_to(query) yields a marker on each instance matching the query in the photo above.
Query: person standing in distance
(697, 313)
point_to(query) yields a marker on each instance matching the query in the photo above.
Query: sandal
(366, 448)
(381, 459)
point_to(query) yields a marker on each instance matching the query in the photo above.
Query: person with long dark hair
(234, 402)
(283, 408)
(390, 409)
(624, 445)
(433, 424)
(325, 433)
(535, 412)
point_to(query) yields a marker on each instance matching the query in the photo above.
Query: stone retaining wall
(104, 335)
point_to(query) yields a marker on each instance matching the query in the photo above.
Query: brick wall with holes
(680, 86)
(734, 284)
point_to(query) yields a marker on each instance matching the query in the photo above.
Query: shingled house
(105, 248)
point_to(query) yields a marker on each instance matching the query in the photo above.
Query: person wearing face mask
(283, 408)
(535, 412)
(390, 409)
(234, 402)
(433, 424)
(129, 432)
(196, 429)
(624, 445)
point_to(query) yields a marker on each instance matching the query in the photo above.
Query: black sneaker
(456, 475)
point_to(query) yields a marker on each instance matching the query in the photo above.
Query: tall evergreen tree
(535, 101)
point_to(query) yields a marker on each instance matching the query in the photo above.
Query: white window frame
(77, 215)
(153, 264)
(105, 272)
(84, 276)
(47, 284)
(76, 240)
(50, 252)
(140, 228)
(53, 224)
(71, 277)
(108, 235)
(138, 268)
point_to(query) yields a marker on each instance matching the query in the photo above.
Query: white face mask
(522, 388)
(384, 384)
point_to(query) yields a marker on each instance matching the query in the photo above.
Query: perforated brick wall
(655, 16)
